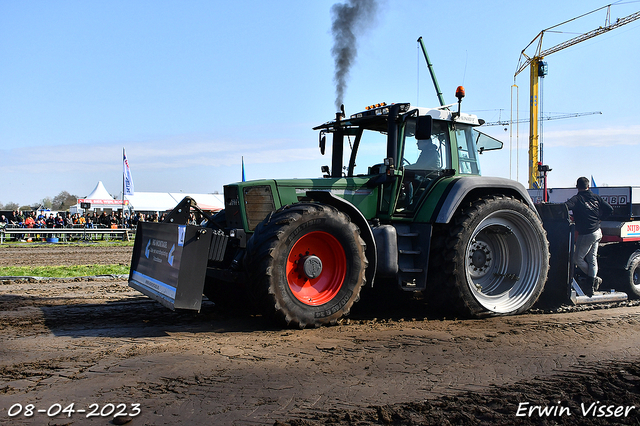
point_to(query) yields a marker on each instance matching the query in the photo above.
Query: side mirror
(323, 142)
(423, 127)
(325, 171)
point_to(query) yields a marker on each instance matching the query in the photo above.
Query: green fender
(359, 220)
(461, 188)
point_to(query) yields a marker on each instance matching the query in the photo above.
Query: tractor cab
(418, 147)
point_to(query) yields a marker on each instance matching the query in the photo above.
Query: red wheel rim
(319, 290)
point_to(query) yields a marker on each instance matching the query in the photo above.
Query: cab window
(467, 152)
(424, 162)
(428, 154)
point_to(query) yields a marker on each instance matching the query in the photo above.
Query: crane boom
(568, 43)
(549, 117)
(537, 67)
(586, 36)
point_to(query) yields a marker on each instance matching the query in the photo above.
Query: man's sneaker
(596, 283)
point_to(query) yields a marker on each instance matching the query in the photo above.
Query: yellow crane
(538, 68)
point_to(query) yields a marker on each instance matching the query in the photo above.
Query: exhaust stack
(338, 146)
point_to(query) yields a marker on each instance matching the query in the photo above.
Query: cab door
(424, 162)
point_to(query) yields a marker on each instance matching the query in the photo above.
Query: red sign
(110, 202)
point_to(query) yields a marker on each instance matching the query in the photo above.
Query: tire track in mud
(569, 396)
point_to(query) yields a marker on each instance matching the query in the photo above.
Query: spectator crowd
(68, 223)
(31, 219)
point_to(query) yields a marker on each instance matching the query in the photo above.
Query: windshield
(370, 150)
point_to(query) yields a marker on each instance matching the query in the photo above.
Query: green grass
(63, 271)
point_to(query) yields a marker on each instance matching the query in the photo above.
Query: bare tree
(46, 203)
(63, 201)
(10, 206)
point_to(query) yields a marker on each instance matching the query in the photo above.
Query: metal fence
(65, 234)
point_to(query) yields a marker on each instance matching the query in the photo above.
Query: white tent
(209, 202)
(163, 201)
(99, 198)
(147, 201)
(99, 193)
(151, 201)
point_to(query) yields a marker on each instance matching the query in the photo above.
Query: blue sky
(189, 87)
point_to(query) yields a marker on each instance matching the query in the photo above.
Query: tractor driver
(429, 158)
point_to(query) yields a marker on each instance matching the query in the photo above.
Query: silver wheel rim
(503, 261)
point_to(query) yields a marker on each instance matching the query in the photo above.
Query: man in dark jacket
(588, 210)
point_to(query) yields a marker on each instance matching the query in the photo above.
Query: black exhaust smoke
(349, 19)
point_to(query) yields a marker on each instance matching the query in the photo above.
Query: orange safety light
(460, 92)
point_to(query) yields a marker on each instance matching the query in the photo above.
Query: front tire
(498, 258)
(306, 264)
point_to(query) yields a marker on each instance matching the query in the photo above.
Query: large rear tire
(306, 264)
(497, 258)
(632, 277)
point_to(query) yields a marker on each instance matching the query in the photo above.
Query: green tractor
(418, 218)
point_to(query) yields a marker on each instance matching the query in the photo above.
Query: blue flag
(128, 180)
(593, 182)
(243, 178)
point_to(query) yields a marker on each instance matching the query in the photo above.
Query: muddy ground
(96, 341)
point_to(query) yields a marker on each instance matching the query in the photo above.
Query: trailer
(619, 251)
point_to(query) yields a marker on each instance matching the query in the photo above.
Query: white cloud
(173, 153)
(185, 162)
(608, 136)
